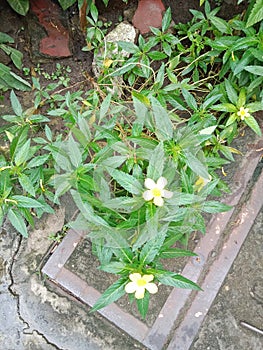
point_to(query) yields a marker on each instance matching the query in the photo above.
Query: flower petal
(152, 288)
(139, 294)
(134, 277)
(130, 287)
(167, 194)
(148, 278)
(149, 183)
(161, 183)
(158, 201)
(147, 195)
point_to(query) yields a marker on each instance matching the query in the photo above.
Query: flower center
(141, 282)
(156, 192)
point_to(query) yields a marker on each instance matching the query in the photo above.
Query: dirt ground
(26, 32)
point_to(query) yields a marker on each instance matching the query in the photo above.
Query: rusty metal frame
(184, 310)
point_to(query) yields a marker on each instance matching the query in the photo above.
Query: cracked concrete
(15, 329)
(37, 316)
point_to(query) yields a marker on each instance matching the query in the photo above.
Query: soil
(26, 32)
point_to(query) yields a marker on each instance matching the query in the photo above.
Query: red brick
(148, 14)
(56, 43)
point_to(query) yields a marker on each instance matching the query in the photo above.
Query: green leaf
(128, 182)
(167, 18)
(58, 112)
(2, 215)
(244, 43)
(18, 141)
(22, 153)
(15, 55)
(87, 210)
(231, 92)
(113, 267)
(20, 6)
(124, 204)
(157, 55)
(74, 151)
(172, 279)
(38, 118)
(181, 198)
(105, 106)
(189, 99)
(26, 202)
(210, 101)
(140, 103)
(17, 108)
(113, 293)
(147, 232)
(252, 123)
(164, 126)
(66, 3)
(255, 106)
(114, 162)
(243, 62)
(257, 70)
(143, 304)
(48, 133)
(220, 24)
(225, 107)
(128, 47)
(26, 184)
(156, 163)
(151, 249)
(213, 207)
(18, 83)
(175, 253)
(62, 161)
(5, 38)
(256, 15)
(196, 165)
(94, 11)
(38, 161)
(242, 98)
(17, 221)
(231, 119)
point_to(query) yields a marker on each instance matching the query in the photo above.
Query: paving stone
(56, 43)
(148, 14)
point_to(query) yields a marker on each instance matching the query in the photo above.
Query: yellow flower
(156, 191)
(139, 283)
(243, 113)
(201, 182)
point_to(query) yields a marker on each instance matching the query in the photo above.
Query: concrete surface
(35, 315)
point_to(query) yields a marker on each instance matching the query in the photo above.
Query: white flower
(139, 283)
(243, 113)
(156, 191)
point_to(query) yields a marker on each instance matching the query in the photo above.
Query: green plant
(254, 14)
(239, 108)
(23, 178)
(8, 79)
(95, 31)
(59, 75)
(142, 164)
